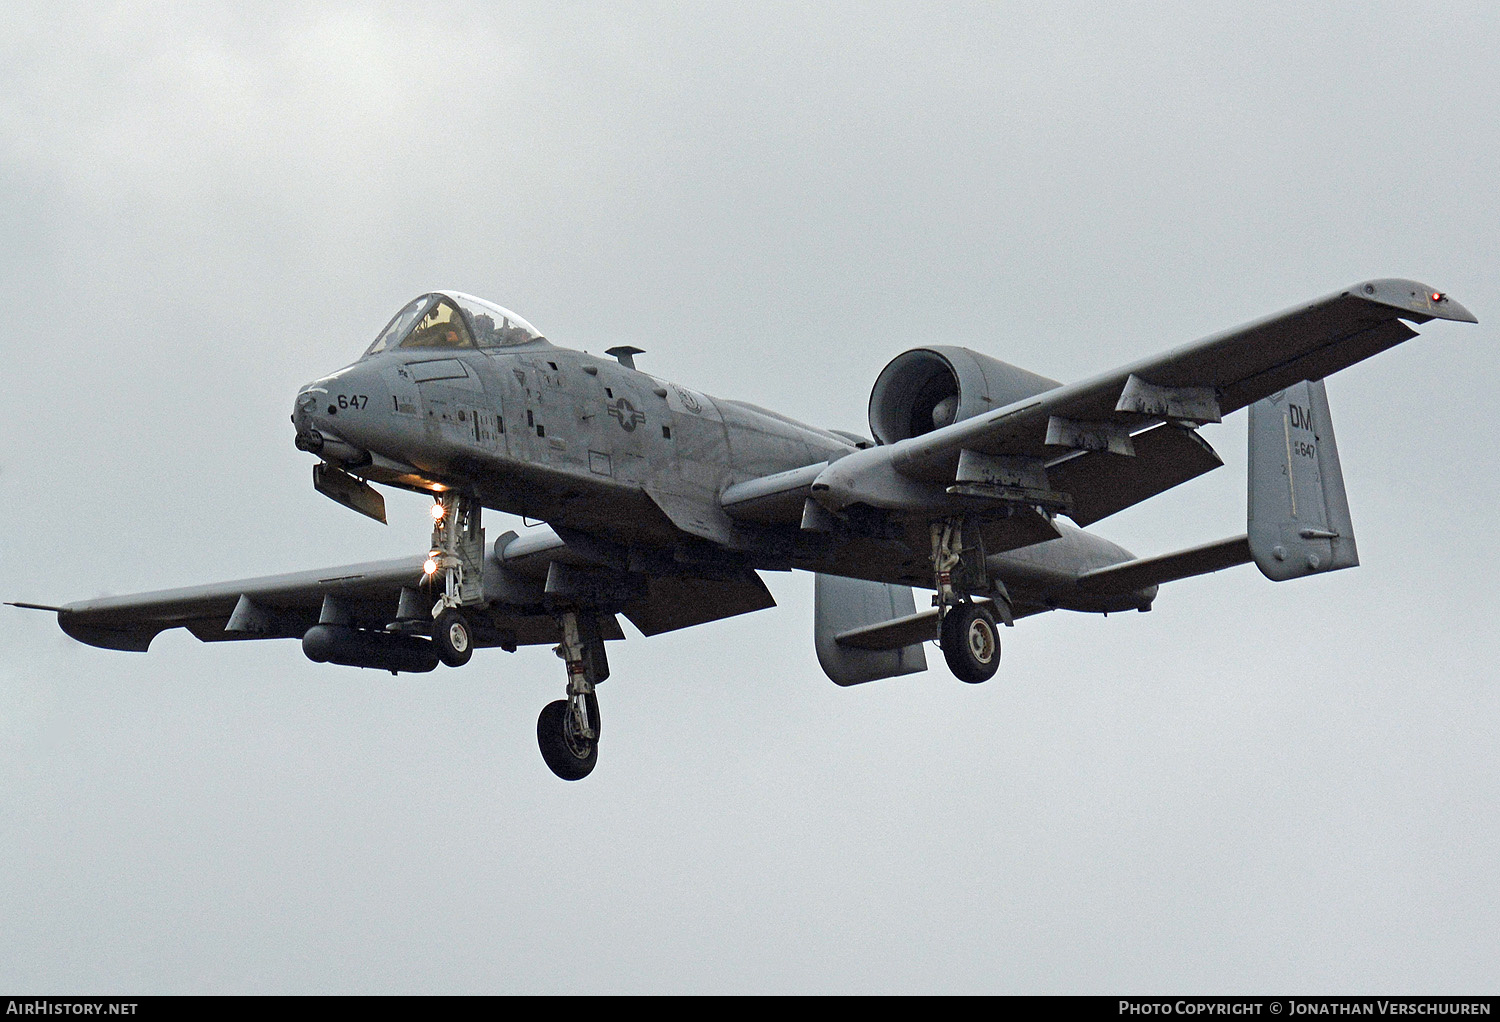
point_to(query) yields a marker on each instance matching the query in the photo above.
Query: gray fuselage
(599, 448)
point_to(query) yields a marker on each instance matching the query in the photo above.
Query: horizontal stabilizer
(1150, 571)
(846, 607)
(898, 632)
(902, 631)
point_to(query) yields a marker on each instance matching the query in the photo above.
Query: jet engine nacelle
(350, 647)
(927, 388)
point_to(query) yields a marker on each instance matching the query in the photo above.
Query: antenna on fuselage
(626, 354)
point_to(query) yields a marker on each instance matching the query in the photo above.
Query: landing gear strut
(970, 640)
(568, 729)
(457, 554)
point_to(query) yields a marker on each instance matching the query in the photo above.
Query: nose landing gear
(568, 729)
(458, 552)
(453, 637)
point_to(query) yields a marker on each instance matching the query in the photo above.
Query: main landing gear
(971, 642)
(968, 634)
(568, 729)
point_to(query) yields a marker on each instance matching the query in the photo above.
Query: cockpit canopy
(449, 319)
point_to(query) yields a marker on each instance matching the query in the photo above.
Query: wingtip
(1440, 306)
(1460, 314)
(32, 606)
(1413, 297)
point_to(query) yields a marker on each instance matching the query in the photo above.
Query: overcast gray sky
(1256, 787)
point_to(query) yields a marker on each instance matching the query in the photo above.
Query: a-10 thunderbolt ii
(662, 503)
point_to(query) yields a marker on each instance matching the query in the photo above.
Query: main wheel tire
(971, 642)
(567, 754)
(454, 638)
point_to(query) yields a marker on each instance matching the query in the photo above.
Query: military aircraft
(662, 503)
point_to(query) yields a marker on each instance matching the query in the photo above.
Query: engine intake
(928, 388)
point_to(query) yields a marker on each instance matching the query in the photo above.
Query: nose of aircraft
(302, 409)
(305, 409)
(338, 417)
(314, 414)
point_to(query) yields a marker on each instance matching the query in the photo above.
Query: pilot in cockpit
(442, 327)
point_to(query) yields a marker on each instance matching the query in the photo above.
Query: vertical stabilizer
(1298, 512)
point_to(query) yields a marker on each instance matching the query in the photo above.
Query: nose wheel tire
(453, 638)
(567, 753)
(971, 642)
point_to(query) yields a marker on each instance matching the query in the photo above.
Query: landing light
(437, 511)
(429, 566)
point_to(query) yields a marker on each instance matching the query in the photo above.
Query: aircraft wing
(285, 607)
(1107, 440)
(280, 606)
(520, 577)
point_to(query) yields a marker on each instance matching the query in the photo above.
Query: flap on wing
(1102, 482)
(509, 630)
(674, 602)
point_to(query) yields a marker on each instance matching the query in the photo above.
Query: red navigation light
(1438, 296)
